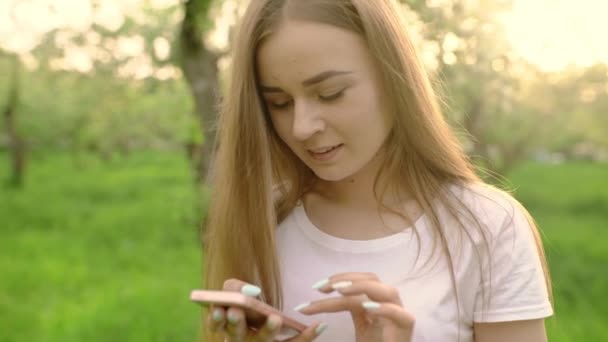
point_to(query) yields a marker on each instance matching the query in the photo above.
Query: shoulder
(496, 212)
(484, 198)
(508, 251)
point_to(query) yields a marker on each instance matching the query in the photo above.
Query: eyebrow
(311, 81)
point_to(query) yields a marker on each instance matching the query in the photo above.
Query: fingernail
(369, 305)
(301, 306)
(321, 328)
(271, 324)
(251, 290)
(233, 318)
(217, 315)
(320, 284)
(341, 284)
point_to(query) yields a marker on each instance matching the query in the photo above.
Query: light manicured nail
(233, 318)
(341, 284)
(301, 306)
(321, 328)
(251, 290)
(272, 324)
(217, 315)
(369, 305)
(320, 284)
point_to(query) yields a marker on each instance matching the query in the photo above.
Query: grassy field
(109, 251)
(570, 205)
(106, 252)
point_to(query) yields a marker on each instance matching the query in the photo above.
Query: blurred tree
(16, 143)
(482, 77)
(200, 66)
(107, 87)
(574, 103)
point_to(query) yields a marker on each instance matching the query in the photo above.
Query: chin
(332, 176)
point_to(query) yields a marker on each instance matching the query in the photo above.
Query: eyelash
(329, 98)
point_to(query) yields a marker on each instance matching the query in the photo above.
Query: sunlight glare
(556, 33)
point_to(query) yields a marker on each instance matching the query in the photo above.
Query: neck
(357, 191)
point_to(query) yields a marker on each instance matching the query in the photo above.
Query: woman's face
(323, 92)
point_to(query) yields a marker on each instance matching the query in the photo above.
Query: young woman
(341, 196)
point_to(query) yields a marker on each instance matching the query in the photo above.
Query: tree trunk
(200, 69)
(15, 141)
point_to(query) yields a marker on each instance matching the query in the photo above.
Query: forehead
(300, 49)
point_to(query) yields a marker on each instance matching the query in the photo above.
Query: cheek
(282, 127)
(365, 118)
(365, 106)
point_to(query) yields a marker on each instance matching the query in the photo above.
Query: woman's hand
(376, 308)
(232, 321)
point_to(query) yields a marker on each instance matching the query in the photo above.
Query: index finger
(326, 285)
(374, 290)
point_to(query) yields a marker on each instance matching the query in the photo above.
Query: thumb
(236, 285)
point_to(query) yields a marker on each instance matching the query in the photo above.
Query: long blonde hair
(251, 161)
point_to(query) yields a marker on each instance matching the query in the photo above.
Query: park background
(106, 105)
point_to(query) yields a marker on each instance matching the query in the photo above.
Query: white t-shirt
(517, 290)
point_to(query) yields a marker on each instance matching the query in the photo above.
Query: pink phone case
(256, 311)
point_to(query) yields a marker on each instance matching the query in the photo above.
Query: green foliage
(508, 106)
(68, 110)
(200, 9)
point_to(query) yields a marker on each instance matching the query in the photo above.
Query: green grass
(102, 252)
(98, 251)
(570, 205)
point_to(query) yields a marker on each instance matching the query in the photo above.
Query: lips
(326, 153)
(324, 149)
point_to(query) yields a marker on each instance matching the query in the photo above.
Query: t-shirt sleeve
(515, 289)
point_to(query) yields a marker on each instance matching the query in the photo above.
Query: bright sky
(555, 33)
(549, 33)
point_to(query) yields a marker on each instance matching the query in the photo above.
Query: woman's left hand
(385, 319)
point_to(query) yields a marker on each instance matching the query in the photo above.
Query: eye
(332, 97)
(278, 104)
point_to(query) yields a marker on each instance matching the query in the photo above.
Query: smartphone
(256, 311)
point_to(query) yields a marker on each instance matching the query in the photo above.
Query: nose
(307, 121)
